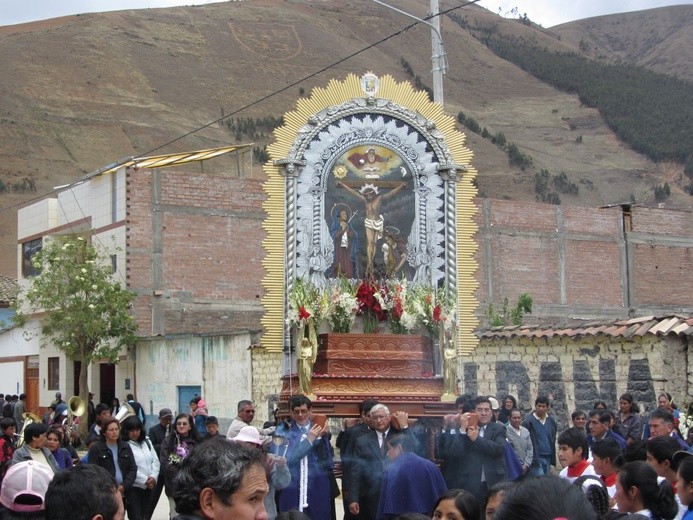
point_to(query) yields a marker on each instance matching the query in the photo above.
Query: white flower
(94, 286)
(84, 271)
(91, 305)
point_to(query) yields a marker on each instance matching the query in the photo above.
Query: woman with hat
(278, 475)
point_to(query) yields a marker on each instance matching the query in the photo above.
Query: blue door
(185, 395)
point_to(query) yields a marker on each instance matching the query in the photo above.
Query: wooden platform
(395, 369)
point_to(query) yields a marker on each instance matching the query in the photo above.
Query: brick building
(189, 244)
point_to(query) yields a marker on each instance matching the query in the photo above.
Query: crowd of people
(490, 462)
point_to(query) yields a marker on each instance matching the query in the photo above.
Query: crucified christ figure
(374, 222)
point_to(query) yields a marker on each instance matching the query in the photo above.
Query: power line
(264, 98)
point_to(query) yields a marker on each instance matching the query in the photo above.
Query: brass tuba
(124, 412)
(76, 407)
(29, 418)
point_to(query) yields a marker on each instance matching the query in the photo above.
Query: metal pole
(438, 58)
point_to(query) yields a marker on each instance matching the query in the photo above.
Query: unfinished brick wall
(194, 251)
(195, 255)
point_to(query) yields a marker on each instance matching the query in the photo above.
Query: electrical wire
(265, 97)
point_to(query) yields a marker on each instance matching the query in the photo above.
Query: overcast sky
(545, 12)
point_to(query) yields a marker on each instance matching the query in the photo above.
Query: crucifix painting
(370, 203)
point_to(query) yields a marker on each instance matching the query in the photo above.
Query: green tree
(87, 309)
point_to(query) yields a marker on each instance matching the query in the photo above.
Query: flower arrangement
(405, 307)
(181, 452)
(370, 308)
(343, 306)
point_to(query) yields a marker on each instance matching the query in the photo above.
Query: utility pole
(438, 58)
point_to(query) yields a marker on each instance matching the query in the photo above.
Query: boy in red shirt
(572, 454)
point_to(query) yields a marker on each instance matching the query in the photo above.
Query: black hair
(216, 464)
(634, 408)
(606, 448)
(482, 399)
(663, 448)
(596, 493)
(576, 414)
(466, 401)
(636, 450)
(6, 422)
(57, 430)
(544, 498)
(669, 399)
(299, 400)
(597, 404)
(399, 439)
(512, 398)
(542, 399)
(686, 469)
(412, 516)
(106, 424)
(658, 498)
(33, 430)
(80, 493)
(130, 397)
(130, 424)
(211, 419)
(575, 438)
(603, 417)
(100, 408)
(192, 434)
(466, 503)
(366, 405)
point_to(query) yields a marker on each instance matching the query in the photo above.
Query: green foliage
(25, 185)
(563, 185)
(649, 111)
(260, 154)
(485, 133)
(518, 158)
(541, 186)
(499, 140)
(688, 170)
(418, 82)
(250, 128)
(578, 139)
(507, 316)
(662, 192)
(88, 311)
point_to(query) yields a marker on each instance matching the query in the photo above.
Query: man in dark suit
(600, 429)
(478, 452)
(369, 460)
(346, 442)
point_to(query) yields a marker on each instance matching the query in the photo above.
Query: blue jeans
(541, 467)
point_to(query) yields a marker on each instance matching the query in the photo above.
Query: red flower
(303, 314)
(436, 313)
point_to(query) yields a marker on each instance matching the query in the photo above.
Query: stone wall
(575, 372)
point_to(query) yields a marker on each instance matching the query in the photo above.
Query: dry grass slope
(80, 92)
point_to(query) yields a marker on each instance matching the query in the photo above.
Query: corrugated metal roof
(8, 289)
(662, 326)
(173, 159)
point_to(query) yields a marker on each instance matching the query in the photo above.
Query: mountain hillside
(658, 39)
(80, 92)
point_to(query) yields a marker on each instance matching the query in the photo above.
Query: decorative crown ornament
(370, 84)
(366, 187)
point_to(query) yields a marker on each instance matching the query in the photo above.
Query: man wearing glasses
(306, 446)
(369, 460)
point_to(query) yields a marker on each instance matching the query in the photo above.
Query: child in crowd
(572, 454)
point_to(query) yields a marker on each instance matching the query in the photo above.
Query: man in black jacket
(157, 434)
(480, 450)
(369, 460)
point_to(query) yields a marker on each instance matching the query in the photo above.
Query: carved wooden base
(395, 369)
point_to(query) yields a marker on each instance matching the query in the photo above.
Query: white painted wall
(221, 365)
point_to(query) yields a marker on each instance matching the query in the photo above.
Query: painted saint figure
(345, 246)
(374, 222)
